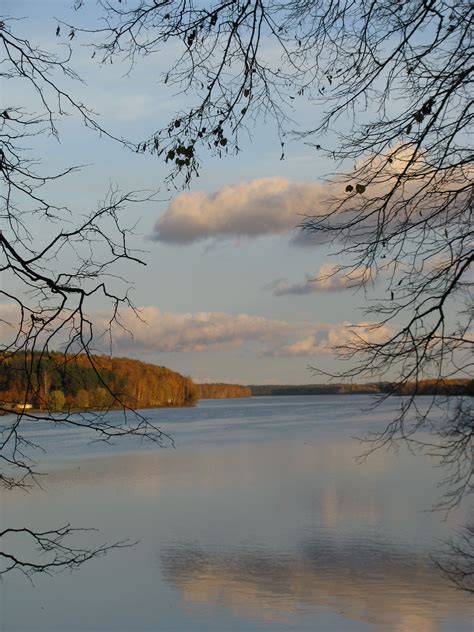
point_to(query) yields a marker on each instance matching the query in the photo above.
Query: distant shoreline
(448, 388)
(451, 387)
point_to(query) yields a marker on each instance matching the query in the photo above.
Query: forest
(66, 382)
(423, 387)
(222, 391)
(80, 382)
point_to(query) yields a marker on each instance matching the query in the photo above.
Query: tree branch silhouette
(391, 87)
(47, 287)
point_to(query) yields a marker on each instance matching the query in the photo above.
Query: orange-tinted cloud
(166, 332)
(266, 206)
(275, 205)
(329, 278)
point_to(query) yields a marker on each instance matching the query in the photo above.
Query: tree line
(66, 382)
(448, 387)
(222, 391)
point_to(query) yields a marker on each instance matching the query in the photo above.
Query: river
(259, 518)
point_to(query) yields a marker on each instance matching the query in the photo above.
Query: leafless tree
(396, 77)
(48, 284)
(53, 550)
(457, 561)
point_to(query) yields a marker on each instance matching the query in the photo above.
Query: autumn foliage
(222, 391)
(59, 382)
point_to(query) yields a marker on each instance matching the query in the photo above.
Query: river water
(260, 518)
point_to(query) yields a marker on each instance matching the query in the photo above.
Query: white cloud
(339, 335)
(329, 278)
(266, 206)
(276, 205)
(174, 332)
(186, 332)
(171, 332)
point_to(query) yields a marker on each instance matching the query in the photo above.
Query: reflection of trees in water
(374, 582)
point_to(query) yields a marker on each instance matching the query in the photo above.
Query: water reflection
(372, 582)
(260, 519)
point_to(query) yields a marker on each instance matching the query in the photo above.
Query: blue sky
(232, 301)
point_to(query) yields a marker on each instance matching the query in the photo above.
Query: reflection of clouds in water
(373, 582)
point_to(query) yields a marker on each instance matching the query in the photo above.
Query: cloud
(276, 205)
(339, 335)
(184, 332)
(159, 331)
(266, 206)
(329, 278)
(174, 332)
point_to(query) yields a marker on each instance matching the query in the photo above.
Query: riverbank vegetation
(422, 387)
(66, 382)
(222, 391)
(78, 382)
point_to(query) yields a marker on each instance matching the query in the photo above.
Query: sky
(228, 292)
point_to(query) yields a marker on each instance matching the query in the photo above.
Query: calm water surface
(260, 519)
